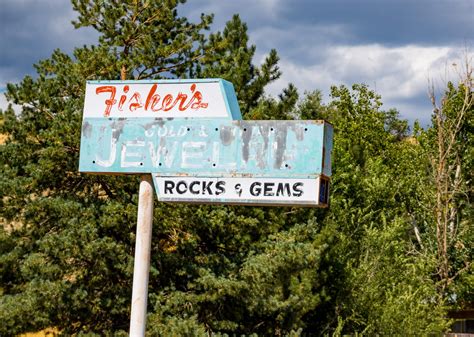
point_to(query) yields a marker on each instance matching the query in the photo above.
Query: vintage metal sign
(210, 98)
(243, 190)
(207, 147)
(189, 135)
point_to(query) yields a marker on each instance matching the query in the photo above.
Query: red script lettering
(154, 102)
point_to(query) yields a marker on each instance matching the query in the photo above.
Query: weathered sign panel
(242, 190)
(204, 98)
(190, 136)
(208, 148)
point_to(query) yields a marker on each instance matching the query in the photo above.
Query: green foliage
(366, 264)
(387, 277)
(227, 55)
(270, 291)
(449, 145)
(377, 202)
(146, 38)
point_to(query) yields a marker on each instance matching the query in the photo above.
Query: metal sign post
(115, 101)
(188, 135)
(141, 268)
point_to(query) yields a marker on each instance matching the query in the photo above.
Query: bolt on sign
(189, 135)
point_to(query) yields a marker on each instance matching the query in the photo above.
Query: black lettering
(220, 187)
(268, 189)
(169, 185)
(256, 189)
(191, 187)
(238, 189)
(297, 191)
(182, 184)
(206, 187)
(282, 188)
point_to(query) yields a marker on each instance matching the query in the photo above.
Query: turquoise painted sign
(216, 148)
(189, 135)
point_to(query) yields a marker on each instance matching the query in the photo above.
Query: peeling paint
(86, 129)
(227, 135)
(262, 154)
(280, 140)
(159, 121)
(299, 132)
(222, 148)
(117, 127)
(246, 137)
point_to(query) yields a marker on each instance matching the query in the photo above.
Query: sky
(395, 46)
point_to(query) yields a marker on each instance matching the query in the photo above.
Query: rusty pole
(141, 268)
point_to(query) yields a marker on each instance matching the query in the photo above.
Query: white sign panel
(255, 191)
(179, 99)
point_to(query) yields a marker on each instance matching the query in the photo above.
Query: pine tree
(68, 239)
(228, 55)
(67, 243)
(66, 246)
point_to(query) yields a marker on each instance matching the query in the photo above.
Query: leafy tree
(363, 265)
(375, 203)
(449, 145)
(71, 263)
(72, 233)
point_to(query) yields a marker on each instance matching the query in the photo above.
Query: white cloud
(270, 7)
(254, 13)
(399, 74)
(3, 101)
